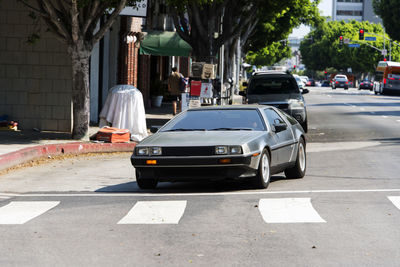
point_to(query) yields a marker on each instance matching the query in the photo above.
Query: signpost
(370, 38)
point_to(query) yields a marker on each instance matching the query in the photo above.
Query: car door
(285, 144)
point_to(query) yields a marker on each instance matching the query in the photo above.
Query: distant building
(360, 10)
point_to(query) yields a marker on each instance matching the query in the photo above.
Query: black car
(310, 82)
(280, 90)
(340, 81)
(366, 84)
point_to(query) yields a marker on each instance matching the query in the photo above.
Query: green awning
(161, 43)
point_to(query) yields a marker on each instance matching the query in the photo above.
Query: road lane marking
(395, 201)
(155, 212)
(20, 212)
(288, 210)
(249, 192)
(334, 146)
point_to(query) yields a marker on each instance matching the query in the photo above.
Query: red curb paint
(30, 153)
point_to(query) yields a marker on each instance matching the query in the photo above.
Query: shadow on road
(188, 187)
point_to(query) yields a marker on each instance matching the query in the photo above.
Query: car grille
(188, 151)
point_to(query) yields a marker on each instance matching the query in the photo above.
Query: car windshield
(216, 120)
(273, 85)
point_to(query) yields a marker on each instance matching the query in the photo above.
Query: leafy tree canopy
(389, 11)
(276, 21)
(325, 50)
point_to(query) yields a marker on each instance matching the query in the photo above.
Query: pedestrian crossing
(272, 211)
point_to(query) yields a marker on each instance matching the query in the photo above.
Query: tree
(212, 23)
(325, 51)
(389, 11)
(74, 23)
(266, 44)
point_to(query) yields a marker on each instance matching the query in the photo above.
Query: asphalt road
(89, 211)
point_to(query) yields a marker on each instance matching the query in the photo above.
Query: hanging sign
(206, 90)
(195, 88)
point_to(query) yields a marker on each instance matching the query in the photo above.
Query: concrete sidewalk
(18, 147)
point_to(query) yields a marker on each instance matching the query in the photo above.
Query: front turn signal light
(151, 162)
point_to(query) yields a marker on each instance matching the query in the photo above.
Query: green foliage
(389, 11)
(326, 52)
(277, 19)
(268, 55)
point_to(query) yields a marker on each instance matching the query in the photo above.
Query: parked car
(310, 82)
(325, 83)
(366, 84)
(281, 90)
(304, 79)
(340, 81)
(222, 142)
(299, 81)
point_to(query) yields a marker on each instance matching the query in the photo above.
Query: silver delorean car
(222, 142)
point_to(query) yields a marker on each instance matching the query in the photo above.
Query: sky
(326, 10)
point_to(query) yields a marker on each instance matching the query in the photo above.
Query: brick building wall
(35, 79)
(129, 52)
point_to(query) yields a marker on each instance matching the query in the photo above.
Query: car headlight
(221, 150)
(146, 151)
(142, 151)
(296, 104)
(225, 150)
(235, 150)
(155, 151)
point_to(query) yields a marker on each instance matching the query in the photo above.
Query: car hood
(200, 138)
(274, 98)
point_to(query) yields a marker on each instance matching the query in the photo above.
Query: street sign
(346, 41)
(370, 38)
(354, 45)
(384, 52)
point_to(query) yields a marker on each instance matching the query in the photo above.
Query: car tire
(346, 88)
(263, 176)
(305, 126)
(333, 87)
(299, 169)
(145, 183)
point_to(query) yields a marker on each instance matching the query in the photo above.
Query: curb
(31, 153)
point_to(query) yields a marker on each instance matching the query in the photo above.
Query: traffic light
(340, 40)
(294, 67)
(361, 34)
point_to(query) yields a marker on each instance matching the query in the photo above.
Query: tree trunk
(80, 92)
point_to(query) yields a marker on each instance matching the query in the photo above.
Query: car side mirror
(280, 126)
(154, 129)
(245, 84)
(305, 91)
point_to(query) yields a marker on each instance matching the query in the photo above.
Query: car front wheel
(299, 169)
(145, 183)
(264, 173)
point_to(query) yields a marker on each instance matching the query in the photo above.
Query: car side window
(273, 116)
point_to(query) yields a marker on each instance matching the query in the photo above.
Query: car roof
(269, 72)
(230, 107)
(272, 73)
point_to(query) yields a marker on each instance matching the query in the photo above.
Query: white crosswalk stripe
(272, 210)
(155, 212)
(395, 200)
(288, 210)
(20, 212)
